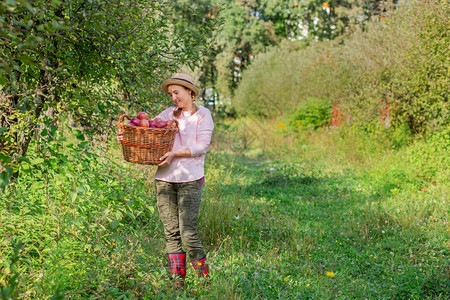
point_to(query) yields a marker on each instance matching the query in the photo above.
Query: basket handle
(167, 129)
(176, 123)
(120, 123)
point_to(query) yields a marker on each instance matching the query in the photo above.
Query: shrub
(399, 60)
(313, 113)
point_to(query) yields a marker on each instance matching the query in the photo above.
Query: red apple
(144, 123)
(161, 124)
(136, 121)
(157, 120)
(131, 123)
(142, 116)
(152, 123)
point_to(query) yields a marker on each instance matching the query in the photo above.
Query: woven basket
(142, 145)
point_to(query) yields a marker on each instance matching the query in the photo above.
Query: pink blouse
(195, 132)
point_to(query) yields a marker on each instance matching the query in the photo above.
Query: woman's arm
(204, 134)
(166, 114)
(166, 159)
(203, 139)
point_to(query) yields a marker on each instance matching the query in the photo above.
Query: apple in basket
(161, 124)
(144, 123)
(135, 121)
(152, 123)
(142, 116)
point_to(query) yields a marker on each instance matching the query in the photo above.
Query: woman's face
(180, 96)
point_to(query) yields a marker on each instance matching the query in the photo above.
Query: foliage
(387, 67)
(332, 213)
(312, 113)
(248, 28)
(359, 211)
(83, 60)
(74, 213)
(418, 84)
(296, 73)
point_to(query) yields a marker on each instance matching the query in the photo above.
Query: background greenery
(398, 62)
(292, 207)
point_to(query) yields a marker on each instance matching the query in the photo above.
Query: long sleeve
(195, 133)
(204, 133)
(166, 114)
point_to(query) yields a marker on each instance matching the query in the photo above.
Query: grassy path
(319, 223)
(299, 229)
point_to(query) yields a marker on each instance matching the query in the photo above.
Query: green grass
(273, 224)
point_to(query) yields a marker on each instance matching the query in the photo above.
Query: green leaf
(37, 161)
(83, 145)
(114, 224)
(73, 196)
(78, 134)
(5, 176)
(26, 59)
(37, 185)
(5, 158)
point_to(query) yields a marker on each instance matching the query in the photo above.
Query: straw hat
(180, 79)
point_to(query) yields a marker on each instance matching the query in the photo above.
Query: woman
(180, 177)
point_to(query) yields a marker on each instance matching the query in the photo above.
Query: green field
(328, 174)
(335, 213)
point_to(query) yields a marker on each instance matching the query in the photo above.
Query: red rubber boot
(177, 268)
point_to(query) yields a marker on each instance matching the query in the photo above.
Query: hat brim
(179, 81)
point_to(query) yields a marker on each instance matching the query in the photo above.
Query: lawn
(329, 214)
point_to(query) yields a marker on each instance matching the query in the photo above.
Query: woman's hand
(119, 136)
(166, 159)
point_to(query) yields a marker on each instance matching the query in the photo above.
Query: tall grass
(342, 200)
(319, 214)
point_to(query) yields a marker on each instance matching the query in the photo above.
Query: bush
(398, 65)
(313, 113)
(417, 85)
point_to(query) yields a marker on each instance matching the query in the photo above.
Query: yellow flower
(326, 5)
(330, 274)
(199, 264)
(282, 126)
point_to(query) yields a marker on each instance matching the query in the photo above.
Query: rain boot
(177, 268)
(202, 270)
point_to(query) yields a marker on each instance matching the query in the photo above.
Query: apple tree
(86, 60)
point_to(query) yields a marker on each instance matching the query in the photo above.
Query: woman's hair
(177, 111)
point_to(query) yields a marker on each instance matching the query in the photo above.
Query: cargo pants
(179, 207)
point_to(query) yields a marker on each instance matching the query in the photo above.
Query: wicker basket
(142, 145)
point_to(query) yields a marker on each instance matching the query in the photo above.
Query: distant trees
(250, 27)
(395, 70)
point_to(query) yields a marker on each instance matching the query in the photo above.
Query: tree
(249, 27)
(85, 58)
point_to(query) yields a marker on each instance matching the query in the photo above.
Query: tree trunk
(24, 138)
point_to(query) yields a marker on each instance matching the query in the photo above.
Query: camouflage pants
(179, 206)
